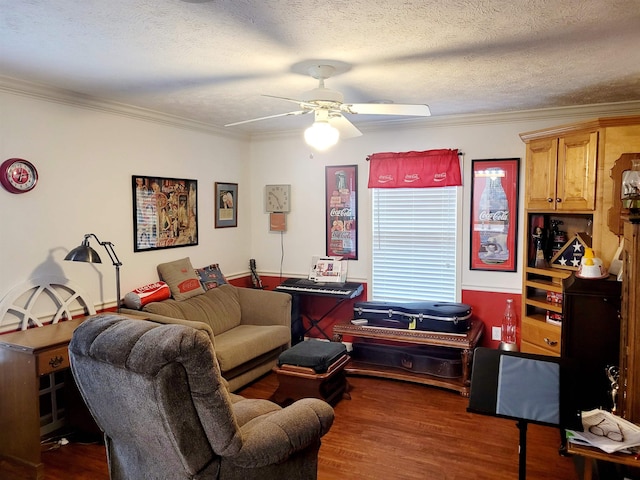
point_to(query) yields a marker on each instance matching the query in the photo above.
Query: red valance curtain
(431, 168)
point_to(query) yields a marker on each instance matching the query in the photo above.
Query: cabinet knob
(56, 361)
(550, 200)
(551, 343)
(558, 200)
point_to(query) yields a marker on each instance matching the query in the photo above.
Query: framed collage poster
(226, 205)
(341, 192)
(165, 213)
(494, 214)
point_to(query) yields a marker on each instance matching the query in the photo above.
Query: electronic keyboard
(309, 287)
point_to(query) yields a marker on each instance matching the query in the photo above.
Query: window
(415, 246)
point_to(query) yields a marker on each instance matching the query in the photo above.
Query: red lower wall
(486, 306)
(489, 307)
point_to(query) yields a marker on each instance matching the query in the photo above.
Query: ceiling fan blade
(387, 109)
(344, 126)
(298, 112)
(302, 103)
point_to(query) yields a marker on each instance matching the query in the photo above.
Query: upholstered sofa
(249, 328)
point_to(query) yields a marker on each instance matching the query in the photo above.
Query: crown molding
(67, 97)
(555, 114)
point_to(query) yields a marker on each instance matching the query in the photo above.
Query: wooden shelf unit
(539, 336)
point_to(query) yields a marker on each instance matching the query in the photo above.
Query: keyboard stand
(298, 331)
(315, 322)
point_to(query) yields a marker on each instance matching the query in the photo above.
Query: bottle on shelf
(559, 237)
(509, 323)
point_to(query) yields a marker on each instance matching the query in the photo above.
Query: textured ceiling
(210, 61)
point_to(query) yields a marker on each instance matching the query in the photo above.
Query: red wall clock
(18, 175)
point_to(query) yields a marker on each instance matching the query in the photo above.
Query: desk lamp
(84, 253)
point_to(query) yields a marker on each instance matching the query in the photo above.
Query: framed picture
(494, 214)
(165, 213)
(226, 207)
(341, 184)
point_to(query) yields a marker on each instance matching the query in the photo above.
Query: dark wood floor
(390, 430)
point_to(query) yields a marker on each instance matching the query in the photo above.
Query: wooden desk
(463, 342)
(591, 454)
(24, 357)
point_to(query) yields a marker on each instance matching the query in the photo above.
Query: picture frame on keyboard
(328, 269)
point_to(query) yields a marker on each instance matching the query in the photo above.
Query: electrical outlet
(496, 333)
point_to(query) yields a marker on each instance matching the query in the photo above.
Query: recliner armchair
(157, 394)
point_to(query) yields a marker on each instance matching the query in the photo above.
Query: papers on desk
(612, 433)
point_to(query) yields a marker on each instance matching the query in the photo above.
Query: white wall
(287, 159)
(85, 159)
(86, 153)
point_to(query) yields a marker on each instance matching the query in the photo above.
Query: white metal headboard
(42, 300)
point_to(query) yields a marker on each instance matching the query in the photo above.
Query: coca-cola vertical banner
(341, 184)
(494, 214)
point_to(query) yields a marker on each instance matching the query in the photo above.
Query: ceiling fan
(328, 108)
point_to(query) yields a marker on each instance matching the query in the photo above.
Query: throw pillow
(181, 278)
(211, 276)
(154, 292)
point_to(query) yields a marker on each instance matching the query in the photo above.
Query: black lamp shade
(83, 253)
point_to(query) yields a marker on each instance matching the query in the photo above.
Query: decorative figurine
(613, 373)
(538, 237)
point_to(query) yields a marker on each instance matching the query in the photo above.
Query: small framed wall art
(226, 205)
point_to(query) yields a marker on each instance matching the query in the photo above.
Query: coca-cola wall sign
(494, 214)
(341, 183)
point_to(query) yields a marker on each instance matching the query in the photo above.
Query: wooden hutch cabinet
(567, 179)
(561, 173)
(629, 382)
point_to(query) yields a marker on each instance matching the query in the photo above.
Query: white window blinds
(414, 244)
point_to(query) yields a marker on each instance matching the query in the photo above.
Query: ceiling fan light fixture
(321, 135)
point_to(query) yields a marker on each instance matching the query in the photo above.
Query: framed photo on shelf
(341, 192)
(494, 214)
(226, 205)
(165, 213)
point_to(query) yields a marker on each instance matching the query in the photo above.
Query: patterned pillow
(181, 278)
(211, 276)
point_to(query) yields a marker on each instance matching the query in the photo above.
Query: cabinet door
(540, 176)
(630, 328)
(591, 336)
(576, 174)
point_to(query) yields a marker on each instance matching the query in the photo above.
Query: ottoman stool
(312, 368)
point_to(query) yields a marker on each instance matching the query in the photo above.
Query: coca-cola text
(498, 216)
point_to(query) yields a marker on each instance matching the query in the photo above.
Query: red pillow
(154, 292)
